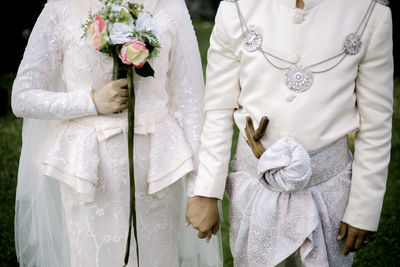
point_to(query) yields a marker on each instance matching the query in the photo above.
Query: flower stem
(131, 123)
(115, 66)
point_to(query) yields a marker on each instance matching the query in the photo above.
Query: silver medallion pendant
(352, 44)
(253, 41)
(298, 79)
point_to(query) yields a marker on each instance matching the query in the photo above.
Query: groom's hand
(355, 238)
(202, 213)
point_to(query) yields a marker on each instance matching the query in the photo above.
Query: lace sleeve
(31, 94)
(187, 86)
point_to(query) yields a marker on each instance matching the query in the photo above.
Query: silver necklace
(298, 78)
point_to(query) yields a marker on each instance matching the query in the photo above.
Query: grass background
(383, 251)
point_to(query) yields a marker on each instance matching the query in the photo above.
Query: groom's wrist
(208, 194)
(209, 188)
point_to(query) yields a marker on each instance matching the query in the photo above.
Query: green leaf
(107, 49)
(124, 17)
(145, 71)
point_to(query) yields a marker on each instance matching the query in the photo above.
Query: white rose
(145, 22)
(121, 33)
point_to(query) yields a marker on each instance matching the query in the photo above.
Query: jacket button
(298, 19)
(290, 98)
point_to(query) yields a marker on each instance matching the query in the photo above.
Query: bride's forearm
(43, 104)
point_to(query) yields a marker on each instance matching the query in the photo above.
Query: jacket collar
(308, 4)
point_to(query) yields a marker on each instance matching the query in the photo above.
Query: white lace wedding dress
(73, 187)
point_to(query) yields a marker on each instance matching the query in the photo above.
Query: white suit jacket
(357, 95)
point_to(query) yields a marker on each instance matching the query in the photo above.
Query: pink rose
(96, 33)
(134, 53)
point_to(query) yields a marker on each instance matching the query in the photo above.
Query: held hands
(202, 213)
(355, 238)
(112, 97)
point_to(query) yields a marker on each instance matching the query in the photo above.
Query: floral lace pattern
(56, 45)
(98, 228)
(42, 57)
(268, 226)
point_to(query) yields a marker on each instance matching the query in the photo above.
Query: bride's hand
(112, 97)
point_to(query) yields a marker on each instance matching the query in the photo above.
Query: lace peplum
(56, 46)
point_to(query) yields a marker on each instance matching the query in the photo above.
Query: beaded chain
(298, 78)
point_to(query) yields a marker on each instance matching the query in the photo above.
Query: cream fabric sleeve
(374, 90)
(31, 97)
(222, 92)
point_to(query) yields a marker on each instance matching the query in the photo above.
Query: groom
(286, 59)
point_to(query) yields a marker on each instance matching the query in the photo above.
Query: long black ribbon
(131, 124)
(132, 212)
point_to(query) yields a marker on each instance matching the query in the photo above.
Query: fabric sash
(286, 166)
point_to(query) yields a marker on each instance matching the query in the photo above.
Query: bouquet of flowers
(129, 35)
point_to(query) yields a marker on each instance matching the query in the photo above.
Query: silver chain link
(342, 55)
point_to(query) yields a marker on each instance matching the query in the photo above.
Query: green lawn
(383, 251)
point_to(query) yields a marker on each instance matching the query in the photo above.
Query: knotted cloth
(285, 166)
(286, 200)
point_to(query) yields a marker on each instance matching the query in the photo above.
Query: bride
(72, 203)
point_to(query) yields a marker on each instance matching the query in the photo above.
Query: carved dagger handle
(253, 136)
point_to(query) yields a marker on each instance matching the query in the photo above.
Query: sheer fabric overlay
(52, 92)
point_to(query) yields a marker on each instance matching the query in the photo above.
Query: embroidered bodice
(168, 106)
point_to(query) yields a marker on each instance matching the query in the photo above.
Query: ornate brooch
(298, 79)
(253, 41)
(352, 44)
